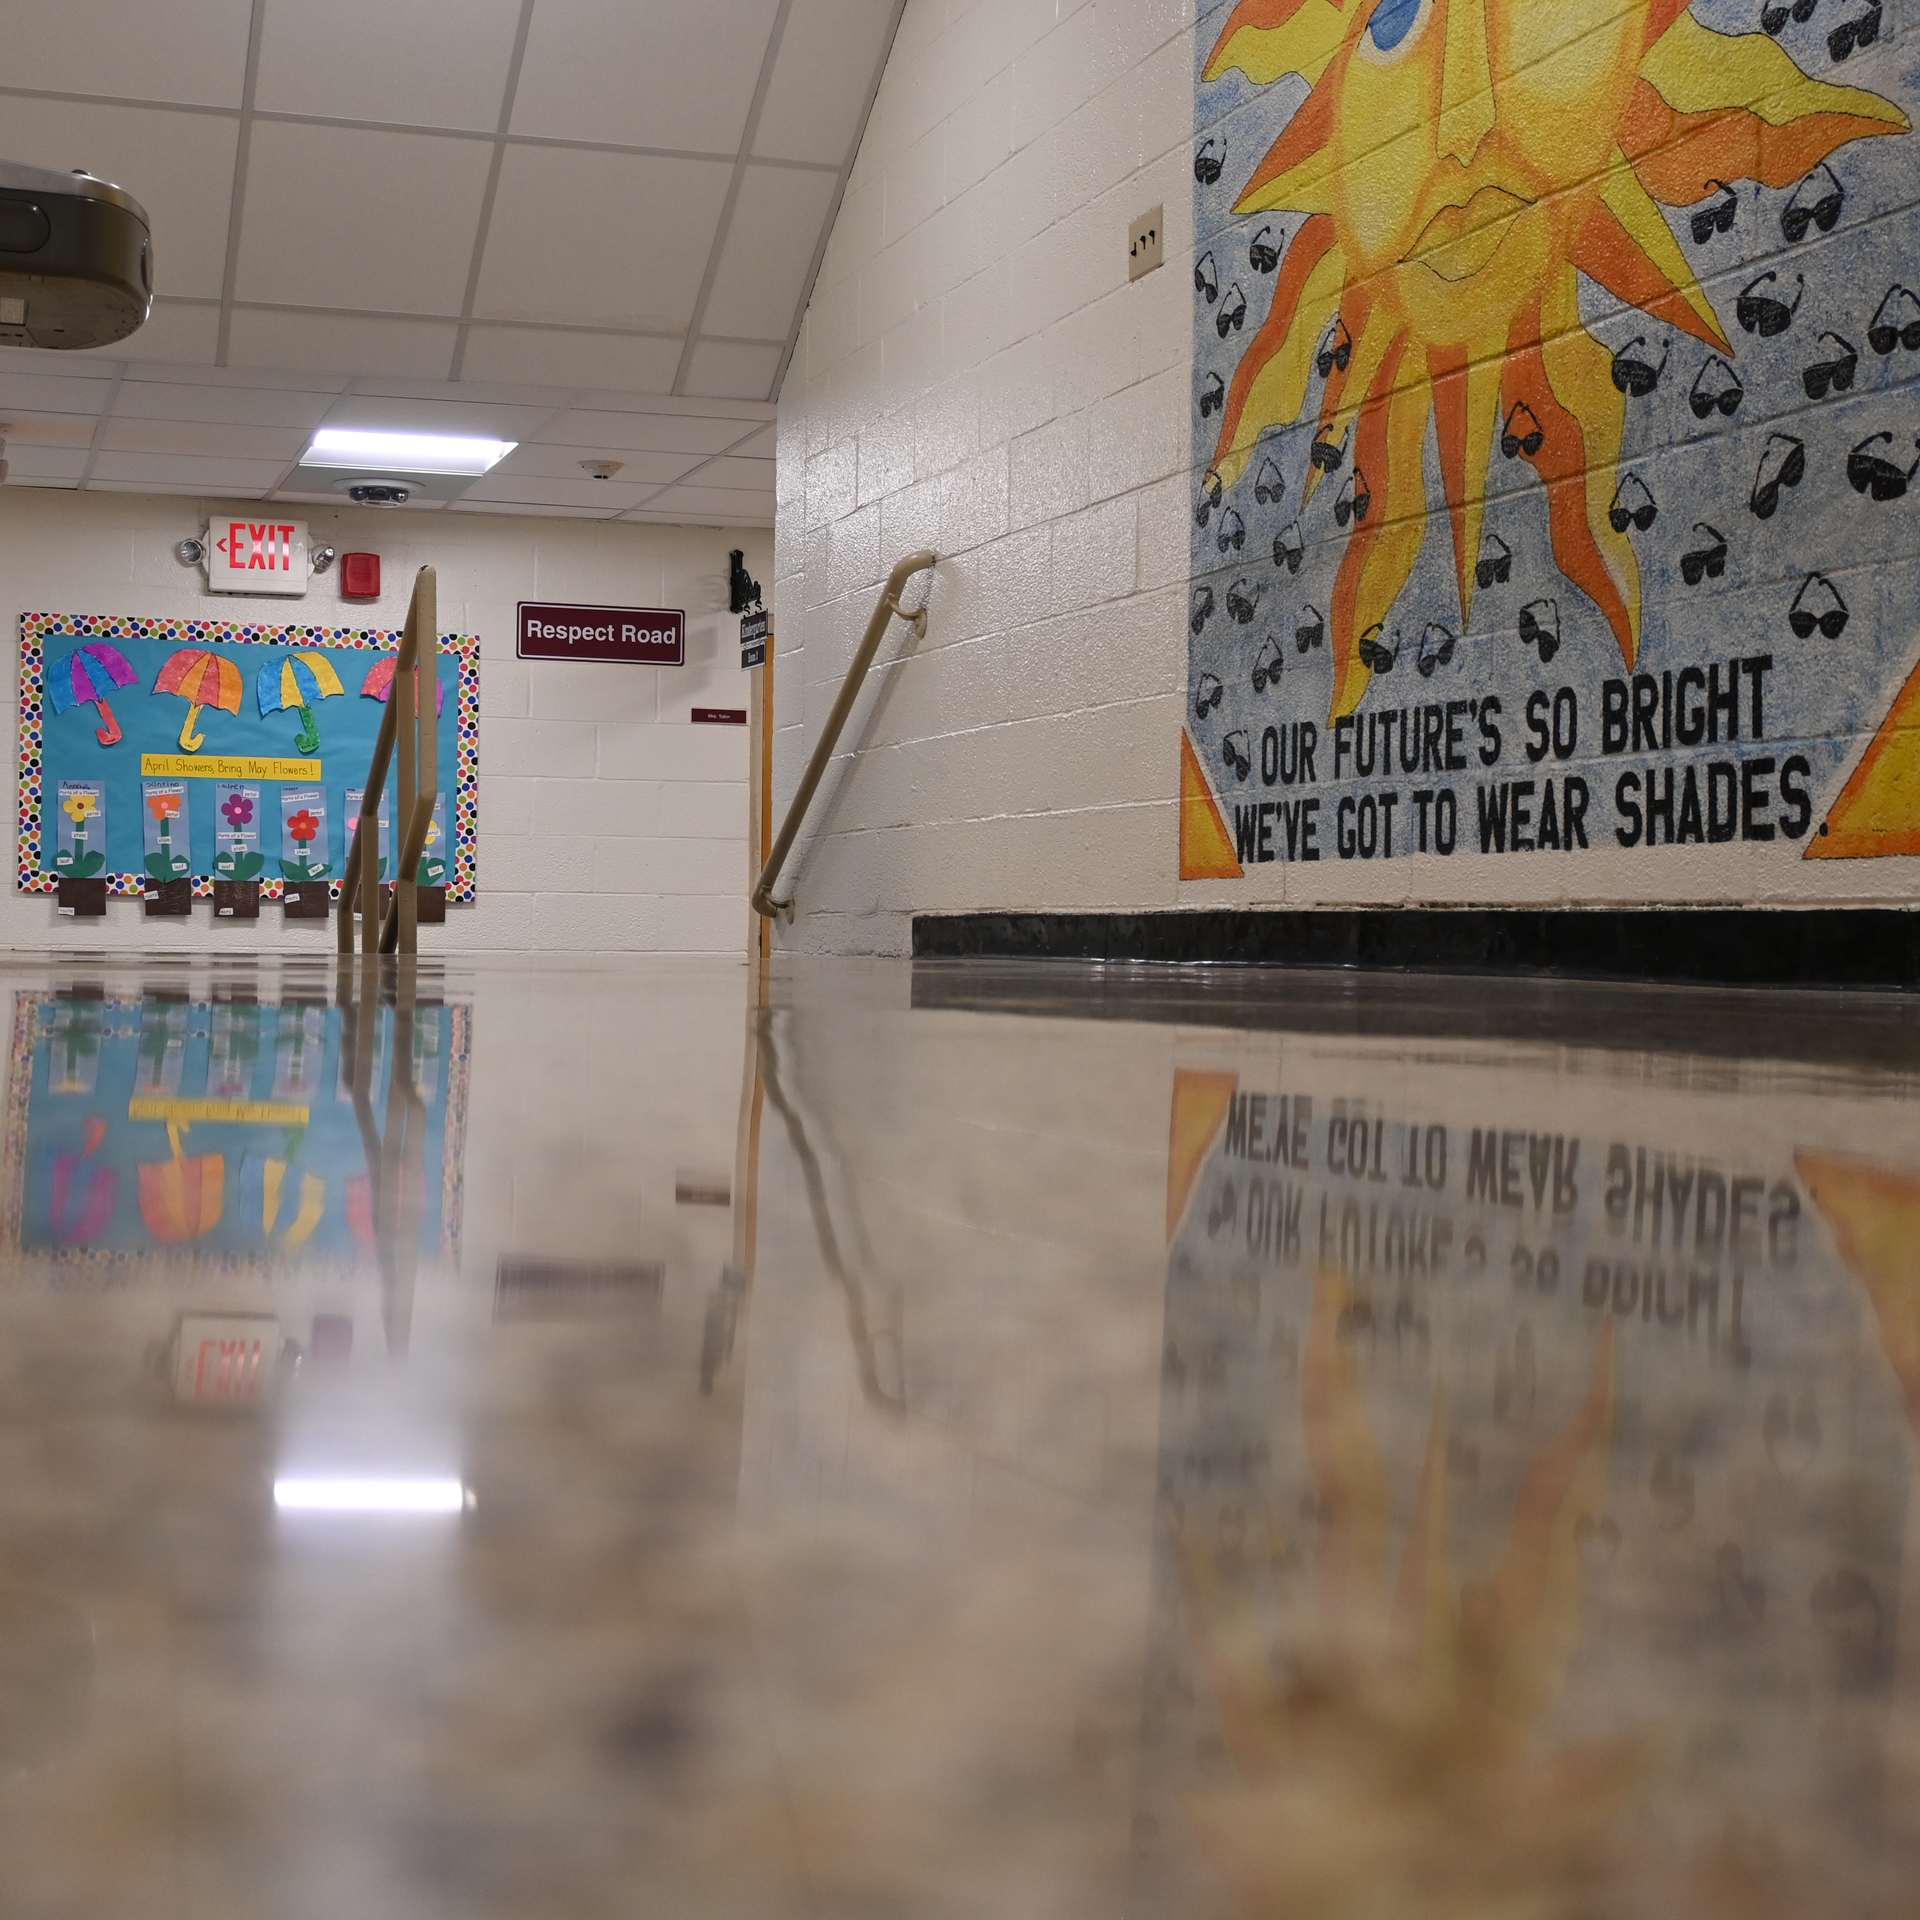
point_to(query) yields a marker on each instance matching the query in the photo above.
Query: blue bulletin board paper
(212, 732)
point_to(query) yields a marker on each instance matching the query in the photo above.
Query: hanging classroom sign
(120, 717)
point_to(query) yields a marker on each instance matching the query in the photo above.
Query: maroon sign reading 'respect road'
(652, 636)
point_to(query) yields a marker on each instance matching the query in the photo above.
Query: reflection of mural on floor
(1875, 1216)
(1533, 1512)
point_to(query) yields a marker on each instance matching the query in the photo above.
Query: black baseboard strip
(1703, 946)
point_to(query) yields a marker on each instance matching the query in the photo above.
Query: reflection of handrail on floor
(864, 1341)
(396, 1164)
(887, 609)
(413, 697)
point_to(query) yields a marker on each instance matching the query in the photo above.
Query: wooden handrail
(412, 693)
(886, 610)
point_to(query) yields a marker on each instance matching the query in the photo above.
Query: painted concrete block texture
(976, 375)
(1553, 422)
(607, 820)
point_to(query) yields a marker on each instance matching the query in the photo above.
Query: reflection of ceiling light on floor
(369, 1496)
(405, 452)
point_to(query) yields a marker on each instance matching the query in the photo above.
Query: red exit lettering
(228, 1370)
(267, 546)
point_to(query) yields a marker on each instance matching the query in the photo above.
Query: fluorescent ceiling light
(405, 452)
(369, 1496)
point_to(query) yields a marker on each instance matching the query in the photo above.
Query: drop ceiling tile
(471, 392)
(429, 63)
(237, 406)
(600, 238)
(248, 379)
(637, 469)
(643, 76)
(40, 431)
(741, 507)
(594, 429)
(52, 466)
(743, 372)
(771, 240)
(756, 476)
(179, 166)
(213, 475)
(186, 50)
(335, 217)
(549, 356)
(607, 496)
(651, 516)
(33, 390)
(516, 507)
(282, 445)
(184, 335)
(828, 57)
(345, 342)
(761, 446)
(705, 408)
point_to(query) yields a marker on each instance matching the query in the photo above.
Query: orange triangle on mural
(1206, 848)
(1878, 811)
(1200, 1102)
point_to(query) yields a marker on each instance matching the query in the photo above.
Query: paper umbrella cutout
(202, 680)
(88, 674)
(379, 683)
(299, 683)
(182, 1198)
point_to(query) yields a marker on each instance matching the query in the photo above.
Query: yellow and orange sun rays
(1699, 108)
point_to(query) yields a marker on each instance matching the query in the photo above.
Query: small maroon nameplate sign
(719, 716)
(653, 636)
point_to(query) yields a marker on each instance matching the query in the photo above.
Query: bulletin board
(176, 749)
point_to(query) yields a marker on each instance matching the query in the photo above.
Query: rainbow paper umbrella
(299, 683)
(379, 683)
(88, 674)
(202, 680)
(181, 1199)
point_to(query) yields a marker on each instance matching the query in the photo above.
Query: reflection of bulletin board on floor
(158, 750)
(143, 1131)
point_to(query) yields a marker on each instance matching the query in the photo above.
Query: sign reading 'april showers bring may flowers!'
(1554, 421)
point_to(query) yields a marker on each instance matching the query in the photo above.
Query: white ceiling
(590, 226)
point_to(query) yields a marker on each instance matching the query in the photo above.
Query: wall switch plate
(1146, 243)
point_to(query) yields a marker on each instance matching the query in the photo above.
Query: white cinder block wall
(977, 375)
(607, 820)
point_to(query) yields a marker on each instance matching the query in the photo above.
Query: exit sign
(268, 555)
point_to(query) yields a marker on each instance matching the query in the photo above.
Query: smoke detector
(602, 469)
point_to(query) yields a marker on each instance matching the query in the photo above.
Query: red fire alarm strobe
(360, 576)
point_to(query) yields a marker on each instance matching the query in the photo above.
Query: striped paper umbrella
(298, 683)
(202, 680)
(88, 674)
(379, 683)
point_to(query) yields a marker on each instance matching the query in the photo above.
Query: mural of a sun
(1461, 164)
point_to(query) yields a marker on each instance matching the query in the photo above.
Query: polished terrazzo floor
(618, 1439)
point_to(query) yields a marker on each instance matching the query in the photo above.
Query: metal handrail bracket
(885, 611)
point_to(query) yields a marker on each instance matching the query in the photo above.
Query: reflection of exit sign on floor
(225, 1359)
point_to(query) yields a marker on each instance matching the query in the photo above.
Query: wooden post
(398, 932)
